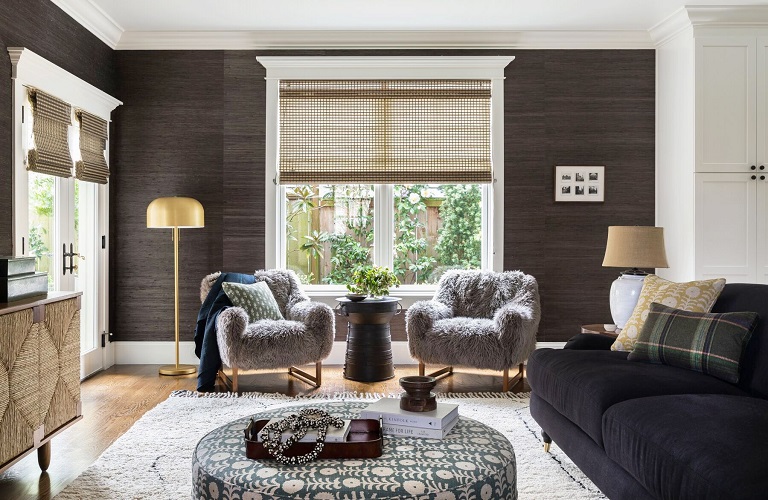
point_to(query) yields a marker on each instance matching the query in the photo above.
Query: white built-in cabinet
(712, 152)
(730, 159)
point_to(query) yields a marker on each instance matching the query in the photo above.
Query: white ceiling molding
(92, 18)
(382, 39)
(747, 16)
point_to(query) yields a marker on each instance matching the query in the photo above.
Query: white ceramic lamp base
(625, 291)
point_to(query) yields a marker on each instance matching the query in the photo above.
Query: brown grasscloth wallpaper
(193, 125)
(45, 29)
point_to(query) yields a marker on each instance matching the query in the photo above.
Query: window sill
(327, 294)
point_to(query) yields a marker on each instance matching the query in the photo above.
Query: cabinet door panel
(762, 231)
(726, 207)
(725, 104)
(762, 102)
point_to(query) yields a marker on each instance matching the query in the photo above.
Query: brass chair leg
(438, 374)
(315, 380)
(522, 372)
(505, 383)
(234, 379)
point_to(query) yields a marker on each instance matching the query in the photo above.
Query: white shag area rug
(154, 458)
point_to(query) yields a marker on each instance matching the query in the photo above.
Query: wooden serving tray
(365, 440)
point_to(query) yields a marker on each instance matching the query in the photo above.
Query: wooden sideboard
(39, 374)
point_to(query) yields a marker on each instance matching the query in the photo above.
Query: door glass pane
(41, 222)
(329, 231)
(437, 227)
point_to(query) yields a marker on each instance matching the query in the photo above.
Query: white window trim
(369, 68)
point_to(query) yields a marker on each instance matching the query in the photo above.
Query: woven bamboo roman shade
(385, 131)
(93, 141)
(51, 119)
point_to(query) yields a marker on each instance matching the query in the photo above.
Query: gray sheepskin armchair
(479, 319)
(305, 336)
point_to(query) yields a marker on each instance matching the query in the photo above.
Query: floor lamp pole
(176, 369)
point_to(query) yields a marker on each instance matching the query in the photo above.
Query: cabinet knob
(762, 167)
(754, 177)
(762, 177)
(752, 167)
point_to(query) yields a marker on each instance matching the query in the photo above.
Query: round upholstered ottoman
(472, 462)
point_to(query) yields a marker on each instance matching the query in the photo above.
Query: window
(386, 161)
(330, 230)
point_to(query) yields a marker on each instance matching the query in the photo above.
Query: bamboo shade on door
(385, 131)
(93, 166)
(51, 120)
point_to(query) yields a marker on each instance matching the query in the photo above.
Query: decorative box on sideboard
(39, 374)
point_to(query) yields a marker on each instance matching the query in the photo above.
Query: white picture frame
(580, 184)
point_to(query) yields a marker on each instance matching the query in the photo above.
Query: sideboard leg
(44, 456)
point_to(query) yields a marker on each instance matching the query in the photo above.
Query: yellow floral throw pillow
(694, 296)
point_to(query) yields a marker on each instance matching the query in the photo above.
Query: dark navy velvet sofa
(642, 431)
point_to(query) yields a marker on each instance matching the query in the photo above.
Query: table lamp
(176, 212)
(632, 247)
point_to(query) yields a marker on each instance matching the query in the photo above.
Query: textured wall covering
(193, 124)
(45, 29)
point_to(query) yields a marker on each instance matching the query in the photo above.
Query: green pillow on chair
(711, 343)
(256, 299)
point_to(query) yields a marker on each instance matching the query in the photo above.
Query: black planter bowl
(356, 297)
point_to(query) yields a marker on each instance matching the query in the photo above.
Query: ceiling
(114, 19)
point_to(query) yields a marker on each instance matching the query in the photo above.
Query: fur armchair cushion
(479, 319)
(305, 336)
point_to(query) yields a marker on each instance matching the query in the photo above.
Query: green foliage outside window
(455, 232)
(458, 245)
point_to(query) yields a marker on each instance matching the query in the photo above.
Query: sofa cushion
(692, 446)
(695, 296)
(582, 385)
(711, 343)
(754, 363)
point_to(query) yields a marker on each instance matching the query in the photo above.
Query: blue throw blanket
(206, 346)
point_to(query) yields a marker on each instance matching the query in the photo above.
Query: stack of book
(435, 424)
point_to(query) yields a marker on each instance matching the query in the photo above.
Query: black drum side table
(369, 343)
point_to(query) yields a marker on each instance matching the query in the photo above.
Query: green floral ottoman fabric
(473, 462)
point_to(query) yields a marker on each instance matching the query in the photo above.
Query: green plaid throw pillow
(710, 343)
(256, 299)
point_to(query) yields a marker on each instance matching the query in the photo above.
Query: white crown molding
(92, 18)
(35, 71)
(709, 16)
(381, 39)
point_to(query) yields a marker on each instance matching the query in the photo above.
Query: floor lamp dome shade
(176, 212)
(632, 247)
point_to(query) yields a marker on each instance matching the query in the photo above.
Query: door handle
(71, 254)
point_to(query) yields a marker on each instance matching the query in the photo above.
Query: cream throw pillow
(694, 296)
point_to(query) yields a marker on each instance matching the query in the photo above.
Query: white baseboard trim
(162, 352)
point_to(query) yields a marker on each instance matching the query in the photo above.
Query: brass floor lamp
(176, 212)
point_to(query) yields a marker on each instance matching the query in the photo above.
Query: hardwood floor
(116, 398)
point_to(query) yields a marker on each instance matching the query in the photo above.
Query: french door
(63, 228)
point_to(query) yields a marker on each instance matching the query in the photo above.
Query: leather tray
(365, 440)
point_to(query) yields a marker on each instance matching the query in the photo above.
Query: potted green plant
(373, 281)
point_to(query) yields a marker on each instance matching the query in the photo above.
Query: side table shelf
(600, 329)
